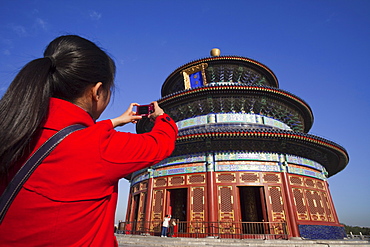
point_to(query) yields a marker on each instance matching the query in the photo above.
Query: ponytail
(22, 109)
(69, 66)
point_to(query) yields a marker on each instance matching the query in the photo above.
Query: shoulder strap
(29, 167)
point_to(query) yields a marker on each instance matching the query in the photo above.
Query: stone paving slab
(146, 241)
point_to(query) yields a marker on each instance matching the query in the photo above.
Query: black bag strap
(29, 167)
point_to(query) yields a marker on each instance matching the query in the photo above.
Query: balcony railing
(201, 229)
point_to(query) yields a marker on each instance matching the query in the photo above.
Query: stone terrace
(145, 241)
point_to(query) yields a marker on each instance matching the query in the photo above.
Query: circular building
(244, 163)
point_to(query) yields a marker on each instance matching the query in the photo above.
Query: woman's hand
(157, 111)
(127, 117)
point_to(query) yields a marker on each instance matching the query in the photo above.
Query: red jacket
(70, 200)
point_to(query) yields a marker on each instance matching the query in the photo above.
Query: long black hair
(70, 64)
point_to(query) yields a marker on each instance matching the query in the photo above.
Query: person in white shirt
(165, 225)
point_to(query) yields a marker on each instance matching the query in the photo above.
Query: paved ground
(146, 241)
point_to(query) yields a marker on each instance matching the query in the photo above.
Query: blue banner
(196, 79)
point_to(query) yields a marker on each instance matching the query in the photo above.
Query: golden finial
(215, 52)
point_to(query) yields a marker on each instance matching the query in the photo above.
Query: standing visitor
(172, 227)
(165, 225)
(70, 199)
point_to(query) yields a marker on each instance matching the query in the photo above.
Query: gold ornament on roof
(215, 52)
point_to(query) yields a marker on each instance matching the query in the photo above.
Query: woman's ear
(97, 91)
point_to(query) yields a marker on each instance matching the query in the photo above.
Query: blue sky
(318, 49)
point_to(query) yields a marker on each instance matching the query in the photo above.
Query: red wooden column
(149, 200)
(211, 203)
(289, 198)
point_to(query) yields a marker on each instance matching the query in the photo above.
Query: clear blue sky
(318, 49)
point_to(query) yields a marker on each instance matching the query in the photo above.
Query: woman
(70, 199)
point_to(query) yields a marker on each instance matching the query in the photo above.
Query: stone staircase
(146, 241)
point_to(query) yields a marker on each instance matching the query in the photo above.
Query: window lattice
(320, 185)
(226, 201)
(158, 202)
(177, 180)
(196, 179)
(271, 178)
(299, 200)
(296, 180)
(320, 208)
(160, 182)
(327, 205)
(314, 202)
(249, 177)
(198, 202)
(141, 203)
(311, 203)
(144, 185)
(276, 200)
(310, 183)
(137, 187)
(226, 177)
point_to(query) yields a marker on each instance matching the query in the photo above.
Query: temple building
(243, 154)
